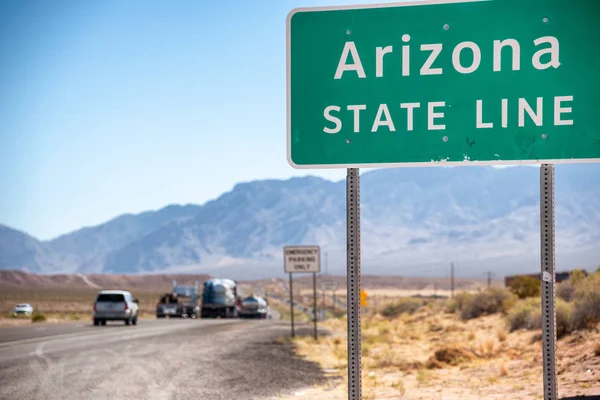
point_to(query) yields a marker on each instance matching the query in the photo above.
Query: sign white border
(431, 163)
(285, 263)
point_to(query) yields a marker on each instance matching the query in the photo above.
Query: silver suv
(115, 305)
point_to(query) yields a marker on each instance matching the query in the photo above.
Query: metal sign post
(292, 303)
(315, 302)
(353, 283)
(548, 276)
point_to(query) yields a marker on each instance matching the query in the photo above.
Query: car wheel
(134, 321)
(127, 321)
(103, 322)
(96, 322)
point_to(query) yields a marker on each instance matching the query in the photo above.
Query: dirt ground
(480, 359)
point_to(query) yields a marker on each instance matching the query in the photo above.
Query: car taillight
(125, 306)
(94, 306)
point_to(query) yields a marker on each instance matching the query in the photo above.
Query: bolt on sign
(450, 83)
(302, 259)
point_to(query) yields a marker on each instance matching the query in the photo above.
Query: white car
(23, 309)
(115, 305)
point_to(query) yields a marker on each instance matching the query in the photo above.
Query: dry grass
(417, 356)
(402, 306)
(452, 356)
(502, 335)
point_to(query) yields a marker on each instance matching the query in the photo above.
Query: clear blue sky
(108, 107)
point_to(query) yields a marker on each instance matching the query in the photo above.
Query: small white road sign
(329, 284)
(302, 259)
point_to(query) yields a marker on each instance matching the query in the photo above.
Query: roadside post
(444, 83)
(315, 301)
(303, 259)
(292, 303)
(333, 300)
(548, 276)
(331, 285)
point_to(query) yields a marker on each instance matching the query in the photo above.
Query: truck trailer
(182, 302)
(219, 299)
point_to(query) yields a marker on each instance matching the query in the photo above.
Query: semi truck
(219, 298)
(182, 302)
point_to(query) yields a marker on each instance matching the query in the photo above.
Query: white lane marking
(39, 350)
(125, 332)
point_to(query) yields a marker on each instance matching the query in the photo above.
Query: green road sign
(444, 83)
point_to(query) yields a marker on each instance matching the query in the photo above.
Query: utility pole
(451, 280)
(333, 300)
(489, 279)
(325, 263)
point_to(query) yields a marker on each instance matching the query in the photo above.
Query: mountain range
(414, 222)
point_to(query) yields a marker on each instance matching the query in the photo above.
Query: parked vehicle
(22, 309)
(115, 305)
(182, 302)
(220, 299)
(254, 307)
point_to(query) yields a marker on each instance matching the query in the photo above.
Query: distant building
(559, 277)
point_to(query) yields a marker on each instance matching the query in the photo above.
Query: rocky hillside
(414, 221)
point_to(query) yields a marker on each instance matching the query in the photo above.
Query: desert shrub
(586, 309)
(451, 356)
(489, 301)
(565, 290)
(576, 276)
(525, 286)
(527, 314)
(457, 302)
(523, 315)
(37, 317)
(564, 318)
(403, 306)
(509, 302)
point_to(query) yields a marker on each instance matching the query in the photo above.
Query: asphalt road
(157, 359)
